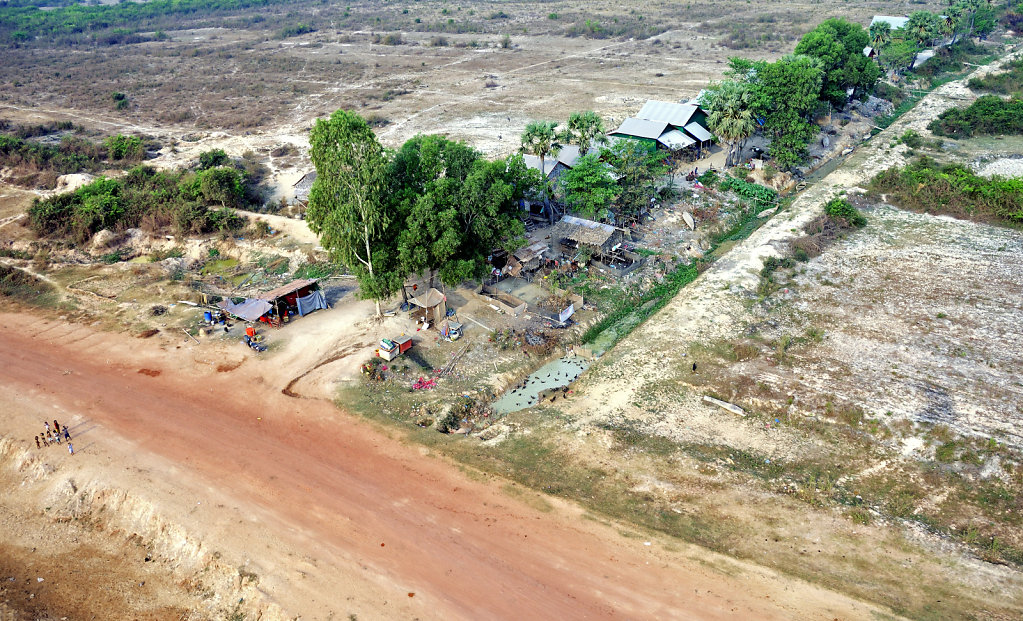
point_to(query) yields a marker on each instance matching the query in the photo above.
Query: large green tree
(638, 169)
(348, 206)
(784, 95)
(838, 45)
(589, 188)
(457, 207)
(921, 28)
(880, 36)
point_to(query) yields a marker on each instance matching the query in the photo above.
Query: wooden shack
(430, 306)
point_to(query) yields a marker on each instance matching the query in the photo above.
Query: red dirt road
(413, 524)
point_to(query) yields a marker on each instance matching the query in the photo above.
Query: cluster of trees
(434, 206)
(896, 50)
(607, 182)
(780, 98)
(186, 201)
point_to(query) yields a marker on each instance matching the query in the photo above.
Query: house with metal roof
(672, 126)
(555, 165)
(897, 23)
(303, 186)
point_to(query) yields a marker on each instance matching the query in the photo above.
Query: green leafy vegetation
(435, 206)
(145, 198)
(213, 158)
(22, 24)
(930, 187)
(125, 148)
(72, 155)
(841, 209)
(762, 197)
(589, 188)
(1009, 82)
(838, 45)
(989, 115)
(317, 270)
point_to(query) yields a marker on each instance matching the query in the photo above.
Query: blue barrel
(208, 316)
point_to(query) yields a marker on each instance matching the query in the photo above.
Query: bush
(951, 189)
(990, 115)
(20, 286)
(911, 139)
(762, 197)
(120, 101)
(1008, 82)
(125, 148)
(841, 209)
(212, 159)
(145, 198)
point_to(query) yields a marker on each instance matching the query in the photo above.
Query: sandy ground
(333, 516)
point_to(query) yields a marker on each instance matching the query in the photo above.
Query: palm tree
(585, 129)
(541, 139)
(731, 117)
(956, 13)
(880, 36)
(921, 27)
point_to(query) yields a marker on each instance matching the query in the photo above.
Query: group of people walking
(55, 435)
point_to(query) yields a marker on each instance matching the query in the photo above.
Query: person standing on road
(56, 426)
(67, 436)
(70, 449)
(37, 443)
(47, 427)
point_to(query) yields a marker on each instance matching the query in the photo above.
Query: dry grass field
(477, 72)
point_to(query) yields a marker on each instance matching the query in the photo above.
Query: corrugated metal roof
(282, 291)
(672, 113)
(699, 132)
(641, 128)
(675, 140)
(568, 155)
(895, 22)
(533, 162)
(306, 181)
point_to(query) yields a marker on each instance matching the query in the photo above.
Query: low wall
(505, 302)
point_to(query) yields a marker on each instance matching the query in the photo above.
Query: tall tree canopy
(589, 187)
(639, 169)
(348, 207)
(457, 206)
(783, 96)
(880, 36)
(838, 45)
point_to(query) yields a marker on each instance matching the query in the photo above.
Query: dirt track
(351, 497)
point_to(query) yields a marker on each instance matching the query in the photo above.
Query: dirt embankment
(291, 503)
